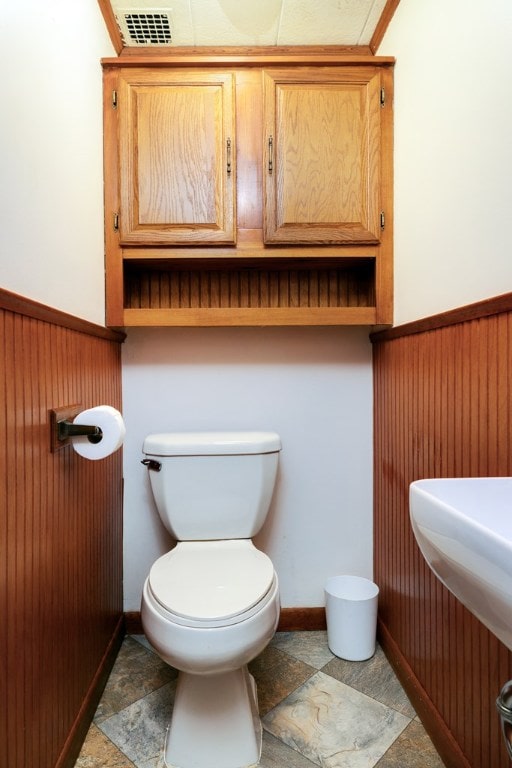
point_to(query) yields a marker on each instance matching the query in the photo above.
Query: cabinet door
(176, 157)
(322, 164)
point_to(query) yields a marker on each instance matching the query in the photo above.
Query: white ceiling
(261, 22)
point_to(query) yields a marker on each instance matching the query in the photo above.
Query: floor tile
(136, 672)
(334, 725)
(374, 677)
(276, 675)
(139, 730)
(309, 647)
(142, 639)
(99, 752)
(413, 749)
(317, 710)
(275, 754)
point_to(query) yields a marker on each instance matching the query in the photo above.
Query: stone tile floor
(317, 710)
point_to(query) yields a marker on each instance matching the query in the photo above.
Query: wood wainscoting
(61, 616)
(443, 408)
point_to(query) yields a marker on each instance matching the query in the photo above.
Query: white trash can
(351, 611)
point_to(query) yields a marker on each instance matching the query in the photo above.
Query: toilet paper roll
(111, 423)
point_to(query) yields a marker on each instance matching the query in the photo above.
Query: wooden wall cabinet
(248, 189)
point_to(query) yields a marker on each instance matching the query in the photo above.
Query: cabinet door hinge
(382, 97)
(115, 222)
(382, 220)
(114, 99)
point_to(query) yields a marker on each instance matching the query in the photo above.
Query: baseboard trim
(290, 620)
(133, 623)
(299, 619)
(442, 738)
(78, 732)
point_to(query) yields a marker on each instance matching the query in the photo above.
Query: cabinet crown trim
(248, 58)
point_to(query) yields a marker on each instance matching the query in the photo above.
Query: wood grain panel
(280, 316)
(383, 23)
(141, 211)
(60, 540)
(249, 288)
(111, 24)
(323, 130)
(294, 55)
(443, 404)
(176, 170)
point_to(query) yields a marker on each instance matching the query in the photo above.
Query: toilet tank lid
(211, 443)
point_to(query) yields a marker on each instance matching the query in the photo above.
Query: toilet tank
(212, 485)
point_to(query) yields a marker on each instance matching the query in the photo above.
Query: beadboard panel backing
(250, 288)
(60, 541)
(443, 408)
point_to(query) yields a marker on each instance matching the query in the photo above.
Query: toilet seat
(212, 583)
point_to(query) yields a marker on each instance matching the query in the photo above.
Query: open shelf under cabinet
(285, 293)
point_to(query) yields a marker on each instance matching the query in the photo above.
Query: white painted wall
(453, 153)
(51, 170)
(313, 386)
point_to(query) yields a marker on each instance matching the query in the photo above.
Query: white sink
(464, 529)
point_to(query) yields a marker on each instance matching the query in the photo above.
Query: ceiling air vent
(147, 27)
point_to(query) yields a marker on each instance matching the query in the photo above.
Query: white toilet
(211, 604)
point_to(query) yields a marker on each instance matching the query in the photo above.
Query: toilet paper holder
(67, 429)
(62, 428)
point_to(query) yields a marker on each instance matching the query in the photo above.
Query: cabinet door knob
(270, 154)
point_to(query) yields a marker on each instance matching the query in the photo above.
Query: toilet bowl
(210, 607)
(211, 604)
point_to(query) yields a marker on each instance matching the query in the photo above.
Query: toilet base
(215, 722)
